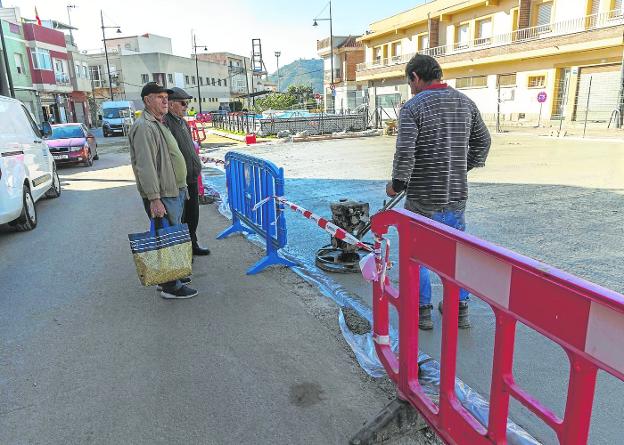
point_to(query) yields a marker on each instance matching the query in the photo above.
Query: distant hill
(301, 72)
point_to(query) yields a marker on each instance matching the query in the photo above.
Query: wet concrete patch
(306, 394)
(355, 322)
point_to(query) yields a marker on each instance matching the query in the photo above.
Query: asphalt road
(87, 355)
(559, 201)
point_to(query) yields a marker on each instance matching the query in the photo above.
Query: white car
(27, 169)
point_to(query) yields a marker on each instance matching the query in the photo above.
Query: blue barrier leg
(271, 259)
(236, 227)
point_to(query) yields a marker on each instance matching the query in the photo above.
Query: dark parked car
(72, 143)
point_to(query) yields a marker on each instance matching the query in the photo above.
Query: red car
(72, 143)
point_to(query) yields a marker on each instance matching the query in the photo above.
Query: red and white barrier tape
(374, 266)
(323, 223)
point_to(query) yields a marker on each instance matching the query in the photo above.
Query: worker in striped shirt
(441, 137)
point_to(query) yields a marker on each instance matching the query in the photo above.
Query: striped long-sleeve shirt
(441, 137)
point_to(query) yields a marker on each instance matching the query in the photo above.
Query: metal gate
(598, 93)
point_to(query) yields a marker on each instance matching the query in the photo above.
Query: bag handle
(164, 222)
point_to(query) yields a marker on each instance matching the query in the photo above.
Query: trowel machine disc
(333, 259)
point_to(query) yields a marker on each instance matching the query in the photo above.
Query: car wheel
(105, 134)
(97, 156)
(89, 161)
(55, 190)
(28, 218)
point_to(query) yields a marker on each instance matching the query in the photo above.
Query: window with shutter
(617, 7)
(544, 12)
(463, 36)
(484, 32)
(595, 7)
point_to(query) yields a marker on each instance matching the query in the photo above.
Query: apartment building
(506, 53)
(136, 60)
(17, 55)
(243, 82)
(81, 83)
(49, 67)
(345, 94)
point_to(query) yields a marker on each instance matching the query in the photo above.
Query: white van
(117, 117)
(27, 169)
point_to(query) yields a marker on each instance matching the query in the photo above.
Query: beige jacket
(151, 162)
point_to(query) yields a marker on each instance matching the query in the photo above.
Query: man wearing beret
(160, 171)
(174, 120)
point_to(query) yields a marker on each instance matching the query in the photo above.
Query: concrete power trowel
(354, 217)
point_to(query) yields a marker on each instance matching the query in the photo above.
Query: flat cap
(153, 88)
(178, 94)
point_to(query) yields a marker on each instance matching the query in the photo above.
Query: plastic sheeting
(364, 348)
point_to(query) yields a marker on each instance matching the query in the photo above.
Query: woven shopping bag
(162, 255)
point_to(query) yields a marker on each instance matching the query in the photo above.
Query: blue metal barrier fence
(250, 180)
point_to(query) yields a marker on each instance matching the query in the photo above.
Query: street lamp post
(331, 47)
(277, 56)
(195, 45)
(110, 82)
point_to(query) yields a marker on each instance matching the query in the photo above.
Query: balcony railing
(572, 26)
(61, 78)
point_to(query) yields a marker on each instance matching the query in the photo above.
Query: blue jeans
(452, 218)
(174, 207)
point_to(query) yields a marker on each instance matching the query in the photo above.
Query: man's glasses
(184, 103)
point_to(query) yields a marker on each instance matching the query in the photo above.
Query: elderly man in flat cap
(160, 172)
(174, 120)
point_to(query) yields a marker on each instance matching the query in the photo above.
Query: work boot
(463, 321)
(424, 317)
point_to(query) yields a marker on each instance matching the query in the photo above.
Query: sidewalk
(272, 354)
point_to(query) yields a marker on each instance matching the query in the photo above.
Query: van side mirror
(46, 129)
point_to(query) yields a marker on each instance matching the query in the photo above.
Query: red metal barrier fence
(586, 320)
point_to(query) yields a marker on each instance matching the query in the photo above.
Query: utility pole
(110, 82)
(246, 81)
(277, 56)
(195, 45)
(620, 121)
(71, 35)
(331, 50)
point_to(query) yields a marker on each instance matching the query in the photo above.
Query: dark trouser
(190, 216)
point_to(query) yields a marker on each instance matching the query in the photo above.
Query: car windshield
(67, 132)
(116, 113)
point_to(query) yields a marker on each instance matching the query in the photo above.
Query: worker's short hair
(425, 67)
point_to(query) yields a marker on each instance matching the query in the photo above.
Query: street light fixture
(331, 47)
(195, 46)
(110, 82)
(277, 56)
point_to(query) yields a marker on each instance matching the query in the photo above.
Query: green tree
(276, 101)
(300, 92)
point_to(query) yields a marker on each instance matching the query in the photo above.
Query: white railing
(572, 26)
(61, 78)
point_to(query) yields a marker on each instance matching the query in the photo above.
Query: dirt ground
(558, 200)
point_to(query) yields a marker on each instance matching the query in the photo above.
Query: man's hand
(157, 208)
(389, 190)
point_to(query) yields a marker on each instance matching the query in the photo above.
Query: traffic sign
(332, 86)
(542, 96)
(317, 96)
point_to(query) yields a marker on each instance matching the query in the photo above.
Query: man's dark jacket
(182, 134)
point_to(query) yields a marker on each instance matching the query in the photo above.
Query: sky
(225, 25)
